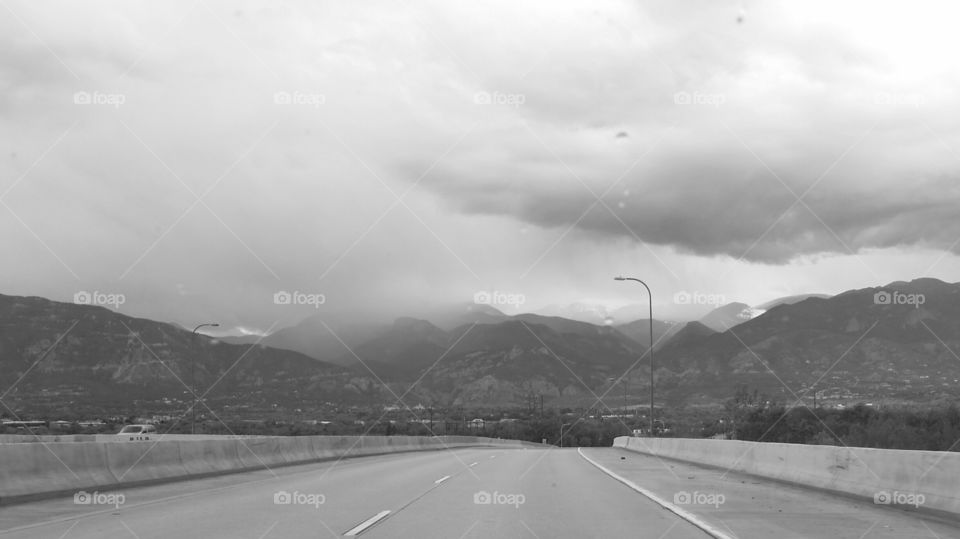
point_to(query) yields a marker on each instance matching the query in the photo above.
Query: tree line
(752, 417)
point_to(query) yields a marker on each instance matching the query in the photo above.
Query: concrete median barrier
(42, 469)
(913, 480)
(55, 438)
(144, 462)
(26, 470)
(210, 457)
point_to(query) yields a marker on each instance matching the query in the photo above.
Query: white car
(138, 432)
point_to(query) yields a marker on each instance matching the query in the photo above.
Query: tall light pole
(561, 432)
(623, 382)
(650, 296)
(193, 383)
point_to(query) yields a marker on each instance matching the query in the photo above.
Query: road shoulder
(745, 506)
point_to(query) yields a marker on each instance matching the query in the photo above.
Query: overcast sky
(397, 155)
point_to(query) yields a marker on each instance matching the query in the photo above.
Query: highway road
(538, 493)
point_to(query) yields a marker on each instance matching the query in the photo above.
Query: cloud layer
(201, 157)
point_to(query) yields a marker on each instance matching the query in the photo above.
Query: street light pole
(193, 383)
(623, 385)
(650, 296)
(561, 432)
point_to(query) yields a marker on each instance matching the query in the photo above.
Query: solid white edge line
(684, 514)
(441, 480)
(360, 528)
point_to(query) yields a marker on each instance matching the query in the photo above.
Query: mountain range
(854, 346)
(867, 344)
(72, 356)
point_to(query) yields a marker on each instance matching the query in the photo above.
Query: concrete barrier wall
(25, 468)
(51, 438)
(27, 438)
(905, 476)
(38, 470)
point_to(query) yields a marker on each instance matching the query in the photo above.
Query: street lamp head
(619, 278)
(213, 325)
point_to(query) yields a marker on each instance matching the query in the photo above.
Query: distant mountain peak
(580, 311)
(921, 283)
(465, 313)
(788, 300)
(408, 322)
(691, 333)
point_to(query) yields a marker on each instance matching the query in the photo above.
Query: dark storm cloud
(730, 126)
(728, 203)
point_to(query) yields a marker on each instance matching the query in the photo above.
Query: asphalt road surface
(529, 493)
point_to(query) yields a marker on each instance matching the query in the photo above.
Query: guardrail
(30, 471)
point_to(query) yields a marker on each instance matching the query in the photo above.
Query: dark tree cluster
(858, 426)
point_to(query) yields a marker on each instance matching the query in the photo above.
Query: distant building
(475, 424)
(24, 424)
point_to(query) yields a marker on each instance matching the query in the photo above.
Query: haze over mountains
(850, 346)
(324, 336)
